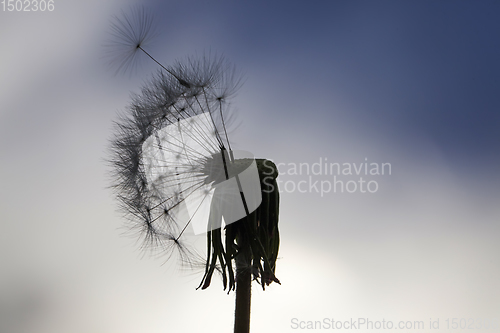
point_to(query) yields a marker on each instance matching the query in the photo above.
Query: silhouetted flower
(174, 166)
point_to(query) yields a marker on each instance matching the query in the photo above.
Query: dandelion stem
(243, 281)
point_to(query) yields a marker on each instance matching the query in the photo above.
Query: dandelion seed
(129, 35)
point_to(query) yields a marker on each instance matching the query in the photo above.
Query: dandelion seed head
(162, 151)
(171, 151)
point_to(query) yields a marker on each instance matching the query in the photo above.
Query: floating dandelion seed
(129, 35)
(175, 171)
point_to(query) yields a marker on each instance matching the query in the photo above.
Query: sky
(411, 84)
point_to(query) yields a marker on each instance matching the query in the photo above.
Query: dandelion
(175, 171)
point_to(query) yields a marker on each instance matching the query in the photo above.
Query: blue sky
(417, 66)
(411, 83)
